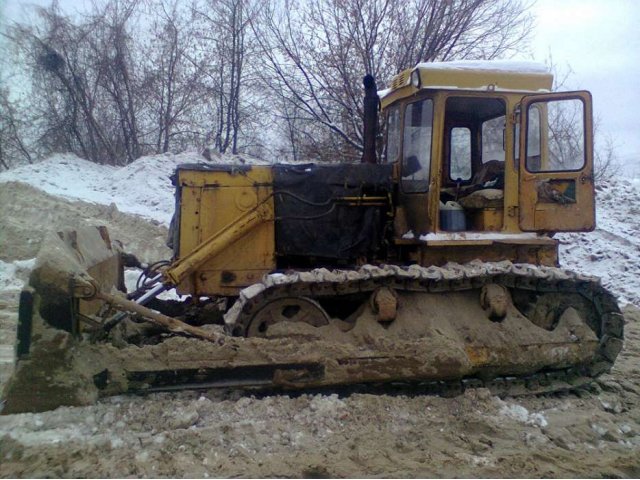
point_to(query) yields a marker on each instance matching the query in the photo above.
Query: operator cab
(484, 148)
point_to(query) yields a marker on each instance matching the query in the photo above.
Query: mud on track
(591, 433)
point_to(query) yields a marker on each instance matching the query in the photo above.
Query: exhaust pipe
(371, 103)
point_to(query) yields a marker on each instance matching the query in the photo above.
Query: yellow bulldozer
(430, 263)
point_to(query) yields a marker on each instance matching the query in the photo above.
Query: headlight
(415, 78)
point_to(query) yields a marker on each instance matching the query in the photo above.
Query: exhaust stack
(371, 102)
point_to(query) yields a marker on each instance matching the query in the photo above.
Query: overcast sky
(598, 39)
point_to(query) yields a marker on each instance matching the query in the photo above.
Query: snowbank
(142, 187)
(612, 251)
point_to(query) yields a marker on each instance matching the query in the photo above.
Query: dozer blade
(51, 318)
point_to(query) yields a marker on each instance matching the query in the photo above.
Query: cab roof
(483, 75)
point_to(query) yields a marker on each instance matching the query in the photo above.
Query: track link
(324, 283)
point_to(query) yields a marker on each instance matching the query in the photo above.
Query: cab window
(393, 135)
(493, 139)
(533, 140)
(460, 154)
(564, 149)
(416, 146)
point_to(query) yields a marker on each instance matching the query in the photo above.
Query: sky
(597, 40)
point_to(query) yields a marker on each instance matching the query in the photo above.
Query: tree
(173, 85)
(565, 124)
(132, 77)
(13, 128)
(83, 81)
(318, 51)
(225, 48)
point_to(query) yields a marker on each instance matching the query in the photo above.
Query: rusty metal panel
(487, 219)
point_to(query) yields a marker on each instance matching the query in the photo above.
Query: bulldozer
(432, 262)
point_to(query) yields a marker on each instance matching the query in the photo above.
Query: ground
(590, 433)
(593, 432)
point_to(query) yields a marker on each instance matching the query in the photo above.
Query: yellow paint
(227, 233)
(227, 236)
(522, 209)
(488, 219)
(444, 78)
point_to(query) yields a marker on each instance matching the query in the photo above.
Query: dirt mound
(28, 213)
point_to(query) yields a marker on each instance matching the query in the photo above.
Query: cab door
(555, 161)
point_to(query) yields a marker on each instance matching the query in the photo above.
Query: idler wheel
(288, 309)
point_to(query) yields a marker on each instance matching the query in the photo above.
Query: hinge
(512, 211)
(586, 179)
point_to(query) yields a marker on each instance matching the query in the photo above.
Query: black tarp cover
(309, 220)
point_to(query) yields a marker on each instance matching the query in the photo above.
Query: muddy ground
(590, 433)
(594, 432)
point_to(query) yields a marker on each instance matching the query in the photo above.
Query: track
(322, 283)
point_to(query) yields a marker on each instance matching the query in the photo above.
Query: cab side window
(393, 135)
(565, 145)
(493, 139)
(534, 159)
(416, 146)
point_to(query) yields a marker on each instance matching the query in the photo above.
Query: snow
(13, 274)
(522, 67)
(131, 276)
(489, 236)
(611, 252)
(521, 414)
(143, 187)
(514, 66)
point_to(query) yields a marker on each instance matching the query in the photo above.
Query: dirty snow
(14, 274)
(612, 251)
(522, 415)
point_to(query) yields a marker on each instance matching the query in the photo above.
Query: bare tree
(132, 77)
(320, 49)
(113, 58)
(225, 44)
(83, 81)
(173, 85)
(13, 127)
(563, 123)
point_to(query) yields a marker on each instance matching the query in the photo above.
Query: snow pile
(65, 175)
(142, 187)
(14, 275)
(612, 251)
